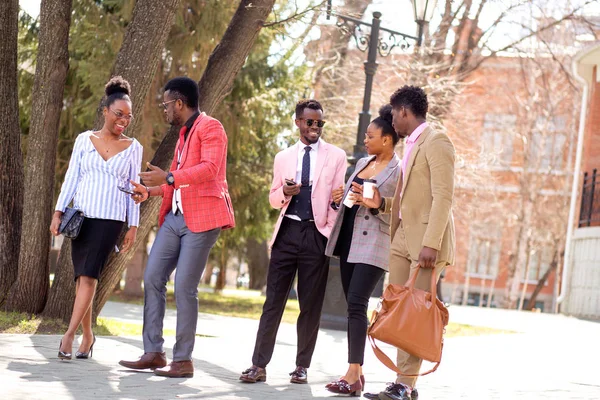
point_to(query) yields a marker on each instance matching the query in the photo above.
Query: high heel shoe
(341, 386)
(81, 355)
(63, 355)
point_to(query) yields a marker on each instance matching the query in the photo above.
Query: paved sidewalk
(551, 357)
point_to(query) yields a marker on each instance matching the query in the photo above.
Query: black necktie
(306, 167)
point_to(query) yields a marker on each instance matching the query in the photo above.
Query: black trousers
(358, 281)
(299, 247)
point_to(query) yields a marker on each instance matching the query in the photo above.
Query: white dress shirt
(313, 161)
(314, 150)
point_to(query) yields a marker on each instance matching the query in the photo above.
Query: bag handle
(390, 364)
(410, 283)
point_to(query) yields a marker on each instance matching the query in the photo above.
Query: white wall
(583, 297)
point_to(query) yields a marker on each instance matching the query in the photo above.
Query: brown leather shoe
(177, 369)
(254, 374)
(299, 375)
(148, 360)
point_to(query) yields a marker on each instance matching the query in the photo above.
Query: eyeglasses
(120, 115)
(164, 104)
(309, 122)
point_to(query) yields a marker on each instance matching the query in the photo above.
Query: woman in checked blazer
(361, 239)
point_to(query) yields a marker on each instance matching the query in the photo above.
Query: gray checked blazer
(371, 234)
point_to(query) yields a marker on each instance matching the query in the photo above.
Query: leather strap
(390, 364)
(410, 283)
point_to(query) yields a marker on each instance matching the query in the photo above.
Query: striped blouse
(92, 182)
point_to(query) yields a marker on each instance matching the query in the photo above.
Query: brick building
(514, 126)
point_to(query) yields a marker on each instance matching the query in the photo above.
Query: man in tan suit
(422, 226)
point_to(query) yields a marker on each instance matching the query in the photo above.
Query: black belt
(302, 222)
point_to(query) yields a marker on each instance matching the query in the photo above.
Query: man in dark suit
(303, 178)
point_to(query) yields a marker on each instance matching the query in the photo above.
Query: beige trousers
(402, 264)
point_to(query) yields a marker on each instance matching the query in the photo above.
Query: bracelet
(147, 190)
(382, 205)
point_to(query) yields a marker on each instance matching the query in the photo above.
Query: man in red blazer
(195, 207)
(304, 176)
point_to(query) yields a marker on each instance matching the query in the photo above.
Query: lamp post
(374, 45)
(334, 308)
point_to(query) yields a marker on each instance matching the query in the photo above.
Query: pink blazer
(329, 174)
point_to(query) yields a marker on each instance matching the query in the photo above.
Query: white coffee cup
(348, 202)
(368, 188)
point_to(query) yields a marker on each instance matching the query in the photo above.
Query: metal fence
(589, 214)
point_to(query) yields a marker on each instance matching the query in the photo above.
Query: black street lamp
(334, 307)
(372, 43)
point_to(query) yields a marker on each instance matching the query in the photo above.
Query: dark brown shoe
(299, 375)
(177, 369)
(147, 361)
(254, 374)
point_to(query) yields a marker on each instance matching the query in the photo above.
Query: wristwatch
(170, 179)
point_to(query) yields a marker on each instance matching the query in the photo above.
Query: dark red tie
(181, 140)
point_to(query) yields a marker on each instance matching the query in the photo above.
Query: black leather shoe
(299, 375)
(398, 391)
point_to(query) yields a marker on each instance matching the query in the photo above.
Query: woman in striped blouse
(101, 161)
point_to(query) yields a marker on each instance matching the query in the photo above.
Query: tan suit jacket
(425, 194)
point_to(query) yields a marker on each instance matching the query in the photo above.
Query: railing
(589, 213)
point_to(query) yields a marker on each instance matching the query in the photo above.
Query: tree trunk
(60, 302)
(521, 248)
(207, 274)
(222, 277)
(541, 283)
(137, 61)
(135, 272)
(11, 163)
(30, 292)
(258, 263)
(141, 52)
(229, 56)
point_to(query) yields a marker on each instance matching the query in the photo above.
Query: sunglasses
(309, 122)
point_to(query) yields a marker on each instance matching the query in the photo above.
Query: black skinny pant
(299, 247)
(358, 281)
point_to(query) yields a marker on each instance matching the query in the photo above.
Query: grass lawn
(248, 304)
(12, 322)
(233, 303)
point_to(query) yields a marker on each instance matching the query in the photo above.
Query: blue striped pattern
(92, 182)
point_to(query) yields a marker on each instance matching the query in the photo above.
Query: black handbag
(71, 222)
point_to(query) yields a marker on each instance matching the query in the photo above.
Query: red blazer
(201, 179)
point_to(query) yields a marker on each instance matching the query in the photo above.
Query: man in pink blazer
(304, 176)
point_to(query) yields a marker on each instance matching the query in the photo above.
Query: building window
(539, 261)
(484, 255)
(547, 148)
(497, 139)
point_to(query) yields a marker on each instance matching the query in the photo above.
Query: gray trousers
(175, 246)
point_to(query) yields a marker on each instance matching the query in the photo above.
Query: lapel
(189, 139)
(360, 165)
(321, 158)
(413, 155)
(387, 171)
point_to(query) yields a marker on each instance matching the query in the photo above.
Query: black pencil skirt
(91, 248)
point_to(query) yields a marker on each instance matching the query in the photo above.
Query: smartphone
(290, 182)
(125, 190)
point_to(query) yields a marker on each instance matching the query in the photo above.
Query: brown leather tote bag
(412, 320)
